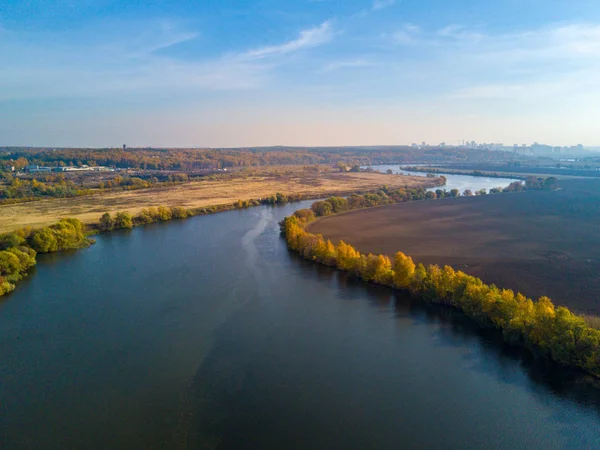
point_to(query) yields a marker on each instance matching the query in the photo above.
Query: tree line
(202, 159)
(14, 189)
(555, 331)
(18, 249)
(125, 220)
(388, 196)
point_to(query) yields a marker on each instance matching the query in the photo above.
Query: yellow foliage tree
(404, 270)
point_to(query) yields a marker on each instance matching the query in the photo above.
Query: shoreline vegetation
(204, 192)
(19, 248)
(555, 332)
(436, 171)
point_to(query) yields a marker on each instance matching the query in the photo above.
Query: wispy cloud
(472, 63)
(455, 31)
(409, 34)
(136, 60)
(382, 4)
(346, 64)
(309, 38)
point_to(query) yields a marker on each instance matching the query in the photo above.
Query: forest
(206, 159)
(538, 325)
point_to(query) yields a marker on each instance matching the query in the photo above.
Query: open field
(536, 242)
(207, 192)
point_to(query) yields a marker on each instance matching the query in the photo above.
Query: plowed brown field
(539, 243)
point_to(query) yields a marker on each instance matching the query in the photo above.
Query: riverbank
(179, 335)
(19, 248)
(309, 182)
(553, 331)
(521, 172)
(538, 242)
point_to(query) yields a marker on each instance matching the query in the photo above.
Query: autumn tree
(123, 220)
(106, 222)
(404, 270)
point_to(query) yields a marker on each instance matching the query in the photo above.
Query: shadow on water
(226, 385)
(455, 328)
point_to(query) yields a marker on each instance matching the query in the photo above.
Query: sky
(231, 73)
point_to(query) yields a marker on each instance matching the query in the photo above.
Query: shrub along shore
(18, 249)
(538, 325)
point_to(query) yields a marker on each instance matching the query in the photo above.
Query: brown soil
(538, 243)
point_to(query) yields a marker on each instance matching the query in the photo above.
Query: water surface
(453, 181)
(208, 333)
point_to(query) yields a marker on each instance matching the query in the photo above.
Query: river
(453, 181)
(209, 333)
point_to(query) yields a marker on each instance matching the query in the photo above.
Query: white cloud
(134, 60)
(309, 38)
(382, 4)
(457, 62)
(459, 32)
(409, 34)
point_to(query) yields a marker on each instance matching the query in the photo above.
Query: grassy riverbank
(310, 182)
(19, 248)
(554, 331)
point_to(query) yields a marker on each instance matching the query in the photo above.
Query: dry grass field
(241, 186)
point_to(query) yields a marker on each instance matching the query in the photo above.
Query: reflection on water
(209, 333)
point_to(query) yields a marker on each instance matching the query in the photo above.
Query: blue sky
(298, 72)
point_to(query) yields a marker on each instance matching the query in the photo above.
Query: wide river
(207, 333)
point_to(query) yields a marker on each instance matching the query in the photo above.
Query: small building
(37, 169)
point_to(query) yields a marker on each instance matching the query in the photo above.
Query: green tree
(322, 208)
(10, 267)
(123, 220)
(178, 212)
(8, 240)
(43, 241)
(106, 222)
(164, 213)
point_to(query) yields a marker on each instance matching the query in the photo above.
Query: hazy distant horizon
(282, 146)
(304, 73)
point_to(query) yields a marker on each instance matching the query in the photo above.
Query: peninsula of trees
(539, 325)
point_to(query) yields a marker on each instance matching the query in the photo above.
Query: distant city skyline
(299, 73)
